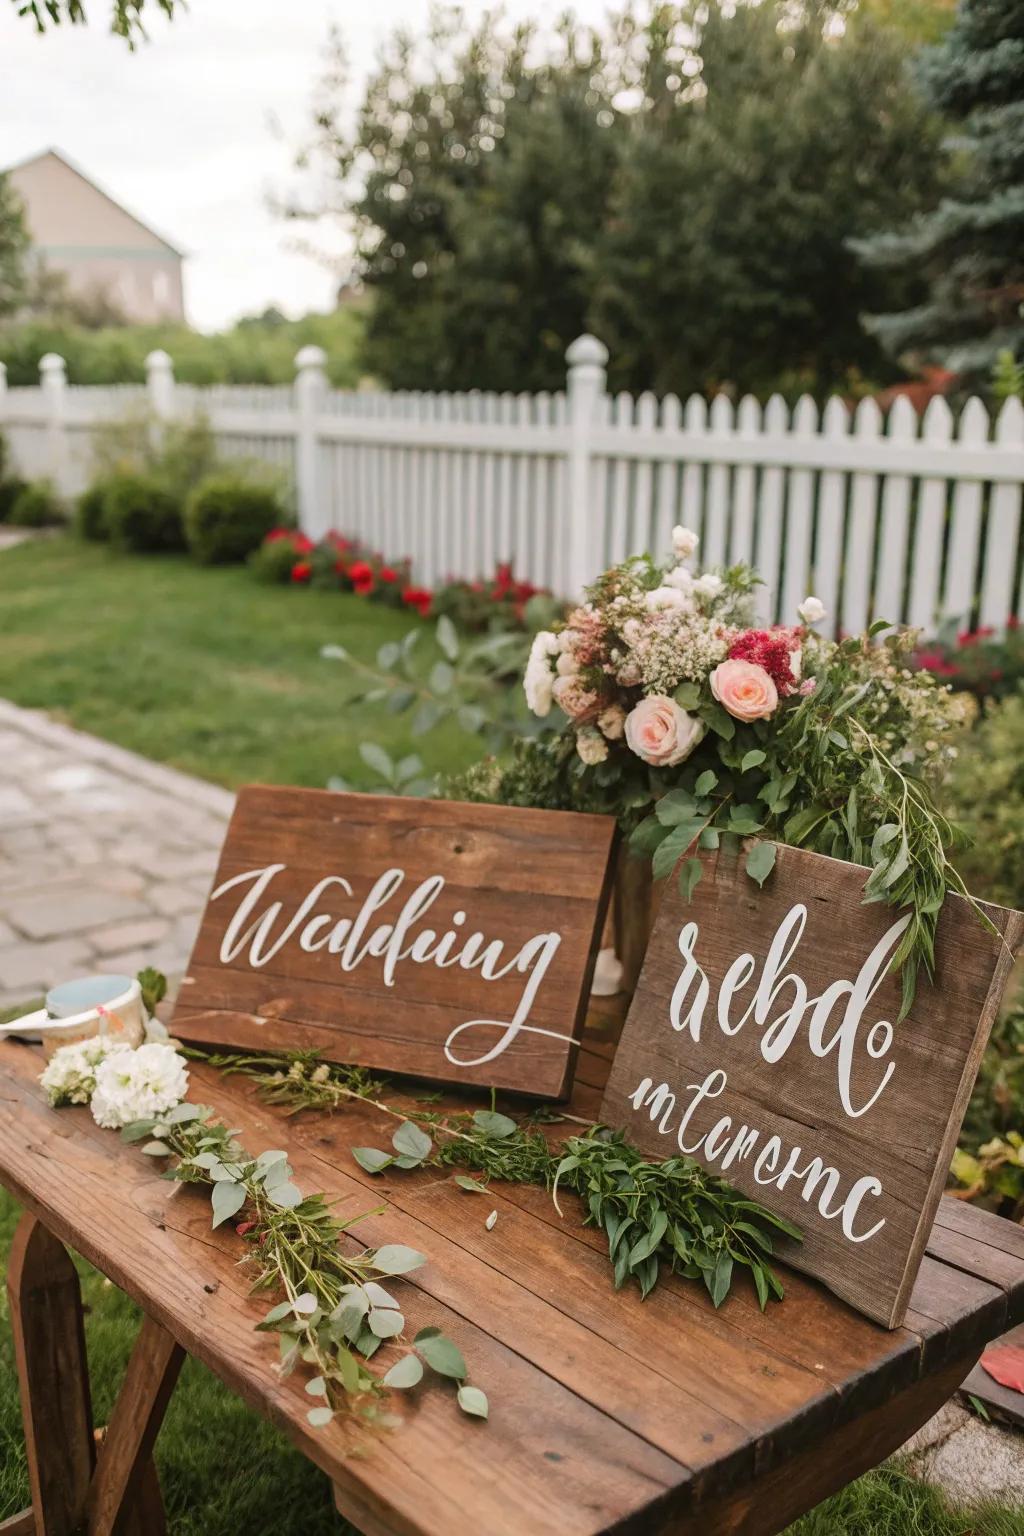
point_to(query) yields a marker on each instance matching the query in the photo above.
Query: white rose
(591, 746)
(612, 722)
(666, 597)
(812, 610)
(538, 681)
(661, 733)
(545, 644)
(680, 577)
(684, 542)
(708, 586)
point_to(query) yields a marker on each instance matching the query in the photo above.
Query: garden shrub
(986, 795)
(143, 515)
(10, 490)
(228, 516)
(178, 453)
(91, 512)
(494, 605)
(36, 505)
(283, 552)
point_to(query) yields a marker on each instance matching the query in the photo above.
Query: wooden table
(607, 1413)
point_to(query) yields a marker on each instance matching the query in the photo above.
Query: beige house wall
(99, 246)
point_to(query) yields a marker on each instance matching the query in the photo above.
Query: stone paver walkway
(105, 858)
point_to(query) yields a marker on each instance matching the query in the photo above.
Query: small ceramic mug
(77, 1010)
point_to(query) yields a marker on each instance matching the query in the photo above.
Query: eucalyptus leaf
(372, 1159)
(410, 1141)
(440, 1354)
(404, 1373)
(761, 861)
(473, 1401)
(227, 1201)
(396, 1259)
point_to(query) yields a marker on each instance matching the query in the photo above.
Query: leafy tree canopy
(683, 184)
(13, 248)
(126, 18)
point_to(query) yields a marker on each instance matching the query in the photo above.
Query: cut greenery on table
(657, 1217)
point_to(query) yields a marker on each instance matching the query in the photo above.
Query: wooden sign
(763, 1042)
(424, 937)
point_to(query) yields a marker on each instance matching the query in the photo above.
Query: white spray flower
(684, 542)
(69, 1077)
(138, 1085)
(812, 610)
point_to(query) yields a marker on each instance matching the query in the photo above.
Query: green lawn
(206, 669)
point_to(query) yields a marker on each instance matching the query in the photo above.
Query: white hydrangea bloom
(69, 1077)
(681, 577)
(138, 1085)
(709, 585)
(666, 597)
(539, 676)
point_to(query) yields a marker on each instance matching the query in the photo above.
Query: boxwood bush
(36, 505)
(228, 516)
(141, 514)
(91, 511)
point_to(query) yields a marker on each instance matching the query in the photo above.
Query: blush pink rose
(744, 689)
(661, 733)
(572, 696)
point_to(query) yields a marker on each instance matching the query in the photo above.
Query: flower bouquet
(692, 724)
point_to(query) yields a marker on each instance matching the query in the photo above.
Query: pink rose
(571, 696)
(661, 733)
(744, 689)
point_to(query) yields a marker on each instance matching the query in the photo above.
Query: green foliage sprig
(335, 1313)
(657, 1217)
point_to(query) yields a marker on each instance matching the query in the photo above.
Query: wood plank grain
(762, 1039)
(440, 940)
(563, 1466)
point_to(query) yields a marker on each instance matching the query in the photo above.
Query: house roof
(68, 164)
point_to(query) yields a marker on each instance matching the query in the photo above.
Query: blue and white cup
(79, 1009)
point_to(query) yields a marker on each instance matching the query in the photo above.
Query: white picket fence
(904, 518)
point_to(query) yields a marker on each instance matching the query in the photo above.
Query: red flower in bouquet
(301, 571)
(774, 650)
(419, 598)
(388, 574)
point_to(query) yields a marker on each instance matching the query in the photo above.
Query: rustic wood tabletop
(608, 1413)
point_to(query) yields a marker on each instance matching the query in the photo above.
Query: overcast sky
(182, 130)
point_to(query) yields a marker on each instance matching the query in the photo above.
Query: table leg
(49, 1347)
(125, 1493)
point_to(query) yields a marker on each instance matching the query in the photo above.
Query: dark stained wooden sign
(425, 937)
(762, 1041)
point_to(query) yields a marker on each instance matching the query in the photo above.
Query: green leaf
(675, 807)
(645, 837)
(385, 1323)
(473, 1401)
(156, 1149)
(761, 861)
(320, 1417)
(227, 1200)
(706, 782)
(441, 677)
(388, 655)
(404, 1373)
(493, 1124)
(372, 1159)
(316, 1387)
(183, 1114)
(396, 1259)
(375, 757)
(284, 1194)
(675, 845)
(440, 1353)
(687, 695)
(276, 1314)
(721, 1278)
(752, 759)
(464, 1181)
(708, 839)
(410, 1141)
(447, 637)
(720, 722)
(689, 877)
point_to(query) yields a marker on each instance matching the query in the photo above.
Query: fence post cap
(52, 362)
(586, 351)
(310, 357)
(158, 361)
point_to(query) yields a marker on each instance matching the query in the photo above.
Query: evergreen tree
(971, 246)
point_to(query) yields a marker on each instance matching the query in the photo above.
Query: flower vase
(633, 910)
